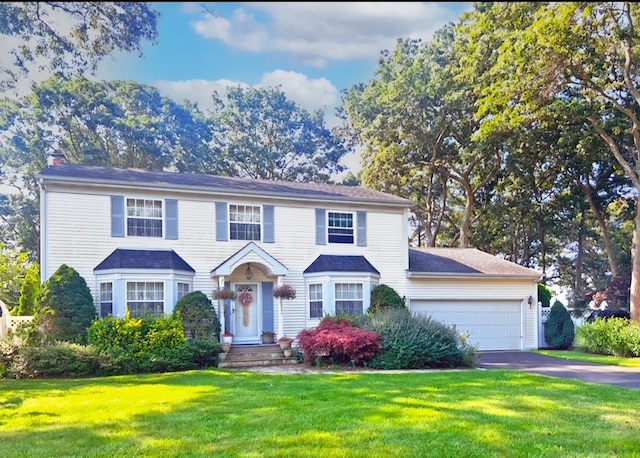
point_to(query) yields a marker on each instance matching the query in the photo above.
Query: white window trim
(229, 222)
(101, 301)
(354, 228)
(162, 217)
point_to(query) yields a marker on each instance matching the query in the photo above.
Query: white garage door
(490, 324)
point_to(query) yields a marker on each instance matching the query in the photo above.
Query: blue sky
(312, 50)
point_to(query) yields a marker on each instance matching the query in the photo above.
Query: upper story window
(340, 227)
(315, 300)
(349, 298)
(145, 298)
(244, 222)
(144, 218)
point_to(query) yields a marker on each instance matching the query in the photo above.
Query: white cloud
(316, 33)
(310, 94)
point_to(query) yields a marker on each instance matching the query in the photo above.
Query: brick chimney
(55, 159)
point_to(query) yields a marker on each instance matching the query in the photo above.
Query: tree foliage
(70, 38)
(29, 292)
(416, 125)
(383, 296)
(573, 57)
(14, 265)
(265, 135)
(65, 307)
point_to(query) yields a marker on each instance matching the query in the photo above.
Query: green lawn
(224, 414)
(591, 358)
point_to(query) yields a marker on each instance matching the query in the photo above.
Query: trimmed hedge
(559, 330)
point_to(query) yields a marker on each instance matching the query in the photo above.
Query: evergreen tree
(29, 291)
(559, 329)
(66, 308)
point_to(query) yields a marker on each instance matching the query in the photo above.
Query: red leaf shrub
(339, 341)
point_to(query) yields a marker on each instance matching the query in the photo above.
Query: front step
(240, 356)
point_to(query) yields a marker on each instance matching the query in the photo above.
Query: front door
(247, 313)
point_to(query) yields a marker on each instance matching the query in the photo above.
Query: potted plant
(285, 342)
(223, 294)
(284, 292)
(227, 337)
(268, 337)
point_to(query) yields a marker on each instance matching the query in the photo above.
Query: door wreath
(245, 299)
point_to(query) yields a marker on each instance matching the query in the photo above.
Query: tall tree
(534, 55)
(265, 135)
(70, 38)
(416, 124)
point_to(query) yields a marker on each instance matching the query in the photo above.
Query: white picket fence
(9, 322)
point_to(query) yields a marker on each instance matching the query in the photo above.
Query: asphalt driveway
(627, 377)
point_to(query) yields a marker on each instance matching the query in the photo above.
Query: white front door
(247, 313)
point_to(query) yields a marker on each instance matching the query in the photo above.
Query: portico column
(221, 308)
(280, 318)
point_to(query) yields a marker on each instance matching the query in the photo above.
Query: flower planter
(227, 339)
(226, 348)
(285, 344)
(267, 338)
(288, 353)
(223, 356)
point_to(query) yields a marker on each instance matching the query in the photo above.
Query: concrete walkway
(628, 377)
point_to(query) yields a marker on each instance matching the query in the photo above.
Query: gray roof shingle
(333, 263)
(464, 261)
(78, 173)
(144, 259)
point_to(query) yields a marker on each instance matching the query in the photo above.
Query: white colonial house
(144, 239)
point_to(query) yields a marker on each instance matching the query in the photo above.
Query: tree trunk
(634, 299)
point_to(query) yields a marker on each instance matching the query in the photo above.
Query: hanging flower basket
(223, 294)
(284, 292)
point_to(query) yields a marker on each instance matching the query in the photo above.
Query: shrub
(411, 341)
(204, 352)
(65, 307)
(61, 359)
(559, 330)
(544, 295)
(145, 344)
(384, 296)
(337, 340)
(614, 336)
(198, 316)
(29, 292)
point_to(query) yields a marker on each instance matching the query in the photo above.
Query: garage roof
(463, 262)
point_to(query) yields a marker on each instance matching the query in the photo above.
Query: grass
(467, 413)
(578, 355)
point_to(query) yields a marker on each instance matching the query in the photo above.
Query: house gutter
(478, 276)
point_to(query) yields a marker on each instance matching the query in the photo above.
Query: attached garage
(489, 324)
(487, 298)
